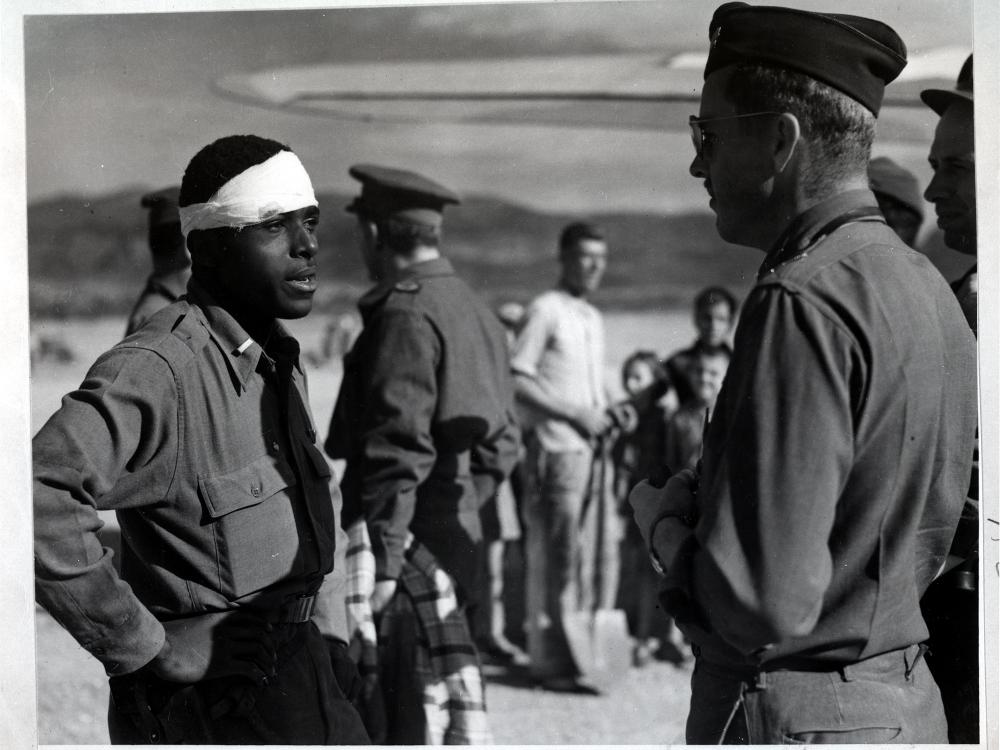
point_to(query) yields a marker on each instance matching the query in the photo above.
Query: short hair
(402, 237)
(575, 232)
(712, 296)
(220, 161)
(839, 129)
(646, 357)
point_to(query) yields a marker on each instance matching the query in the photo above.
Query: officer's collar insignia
(407, 285)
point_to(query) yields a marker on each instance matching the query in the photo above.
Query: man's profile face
(734, 165)
(583, 266)
(270, 268)
(713, 322)
(952, 190)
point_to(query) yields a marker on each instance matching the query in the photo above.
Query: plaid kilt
(422, 682)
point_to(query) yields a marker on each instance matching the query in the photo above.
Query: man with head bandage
(196, 430)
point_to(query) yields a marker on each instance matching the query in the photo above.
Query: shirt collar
(242, 352)
(425, 269)
(807, 228)
(435, 267)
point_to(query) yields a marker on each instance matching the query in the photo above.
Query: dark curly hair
(220, 161)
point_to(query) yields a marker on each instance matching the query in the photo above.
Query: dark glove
(344, 669)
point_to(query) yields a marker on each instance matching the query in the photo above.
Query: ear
(371, 231)
(206, 248)
(788, 134)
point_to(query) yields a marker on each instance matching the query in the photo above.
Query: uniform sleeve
(493, 459)
(121, 423)
(759, 563)
(397, 447)
(531, 340)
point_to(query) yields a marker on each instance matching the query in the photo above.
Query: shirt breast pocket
(252, 510)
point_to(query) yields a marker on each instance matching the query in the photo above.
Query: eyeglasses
(698, 133)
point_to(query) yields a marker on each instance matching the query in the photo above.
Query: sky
(114, 101)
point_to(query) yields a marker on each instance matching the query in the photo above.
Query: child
(714, 314)
(638, 452)
(687, 425)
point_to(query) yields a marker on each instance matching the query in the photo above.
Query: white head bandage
(256, 194)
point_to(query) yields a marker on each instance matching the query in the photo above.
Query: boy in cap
(951, 605)
(839, 450)
(424, 420)
(898, 196)
(171, 262)
(196, 430)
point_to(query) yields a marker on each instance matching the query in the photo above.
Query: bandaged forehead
(257, 194)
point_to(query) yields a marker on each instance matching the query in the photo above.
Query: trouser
(952, 616)
(638, 588)
(890, 698)
(501, 530)
(555, 486)
(303, 704)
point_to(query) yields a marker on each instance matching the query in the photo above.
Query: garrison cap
(388, 193)
(939, 99)
(857, 56)
(886, 177)
(162, 205)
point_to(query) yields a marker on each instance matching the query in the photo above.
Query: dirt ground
(647, 708)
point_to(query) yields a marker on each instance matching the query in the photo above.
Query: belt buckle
(300, 610)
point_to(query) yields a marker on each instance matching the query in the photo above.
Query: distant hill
(88, 255)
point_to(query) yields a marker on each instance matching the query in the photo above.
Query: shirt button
(255, 489)
(274, 446)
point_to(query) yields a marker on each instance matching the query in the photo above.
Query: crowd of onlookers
(656, 427)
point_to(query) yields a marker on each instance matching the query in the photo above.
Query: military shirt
(837, 456)
(203, 445)
(424, 418)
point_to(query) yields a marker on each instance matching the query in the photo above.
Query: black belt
(752, 674)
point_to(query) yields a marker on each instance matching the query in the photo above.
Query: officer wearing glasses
(837, 457)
